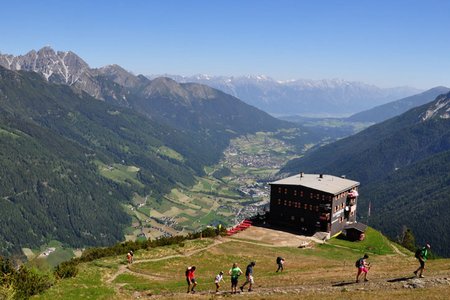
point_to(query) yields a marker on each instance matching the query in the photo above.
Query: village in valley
(233, 190)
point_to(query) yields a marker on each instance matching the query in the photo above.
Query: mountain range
(66, 128)
(332, 97)
(389, 110)
(402, 164)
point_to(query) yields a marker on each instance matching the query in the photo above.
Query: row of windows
(298, 205)
(302, 194)
(317, 196)
(339, 207)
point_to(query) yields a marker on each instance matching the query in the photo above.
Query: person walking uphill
(249, 277)
(217, 280)
(280, 263)
(235, 272)
(190, 278)
(422, 256)
(363, 267)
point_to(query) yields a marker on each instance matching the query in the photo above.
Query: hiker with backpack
(422, 255)
(218, 279)
(129, 257)
(363, 267)
(190, 278)
(280, 263)
(235, 272)
(249, 277)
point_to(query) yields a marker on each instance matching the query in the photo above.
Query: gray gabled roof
(356, 225)
(326, 183)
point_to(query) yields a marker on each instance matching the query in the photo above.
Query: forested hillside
(69, 160)
(417, 197)
(53, 142)
(402, 165)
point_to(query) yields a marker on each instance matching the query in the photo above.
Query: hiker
(249, 277)
(217, 280)
(235, 272)
(363, 267)
(422, 256)
(190, 278)
(129, 257)
(280, 263)
(132, 256)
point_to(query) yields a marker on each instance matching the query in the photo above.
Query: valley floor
(318, 271)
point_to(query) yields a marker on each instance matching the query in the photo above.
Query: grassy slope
(309, 272)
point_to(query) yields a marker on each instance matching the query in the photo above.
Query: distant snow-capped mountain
(304, 97)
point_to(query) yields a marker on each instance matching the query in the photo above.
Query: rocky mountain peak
(121, 76)
(438, 109)
(167, 87)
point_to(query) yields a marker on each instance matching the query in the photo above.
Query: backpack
(418, 253)
(187, 271)
(359, 262)
(279, 259)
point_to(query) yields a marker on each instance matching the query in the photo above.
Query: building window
(310, 207)
(317, 208)
(317, 196)
(285, 202)
(301, 193)
(279, 190)
(305, 206)
(290, 203)
(310, 195)
(279, 201)
(295, 192)
(285, 191)
(302, 220)
(292, 218)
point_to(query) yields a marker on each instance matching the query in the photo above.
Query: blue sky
(386, 43)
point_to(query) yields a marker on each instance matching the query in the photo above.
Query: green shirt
(235, 272)
(424, 253)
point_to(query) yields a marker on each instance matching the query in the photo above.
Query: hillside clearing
(321, 271)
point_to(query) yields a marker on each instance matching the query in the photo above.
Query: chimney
(301, 174)
(343, 176)
(320, 175)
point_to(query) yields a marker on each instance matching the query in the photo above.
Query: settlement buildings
(310, 203)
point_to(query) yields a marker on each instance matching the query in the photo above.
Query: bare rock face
(63, 67)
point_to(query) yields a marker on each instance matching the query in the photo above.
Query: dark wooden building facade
(309, 203)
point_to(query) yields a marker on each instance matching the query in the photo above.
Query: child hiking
(217, 280)
(422, 256)
(190, 279)
(249, 277)
(235, 272)
(363, 267)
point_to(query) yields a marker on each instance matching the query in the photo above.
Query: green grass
(6, 133)
(87, 284)
(319, 266)
(374, 243)
(120, 173)
(168, 152)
